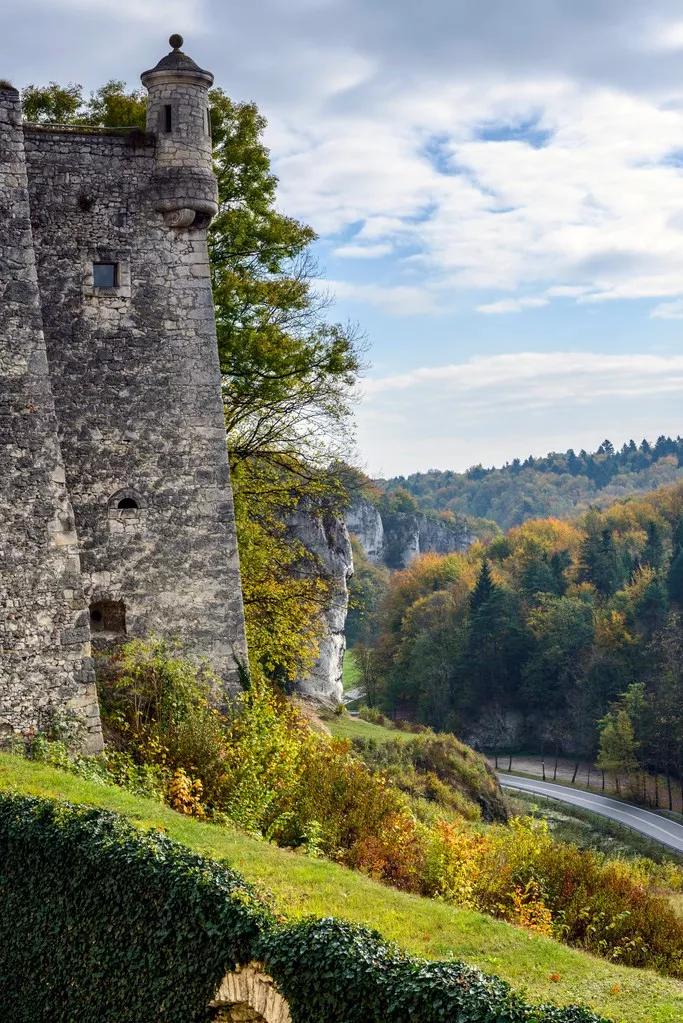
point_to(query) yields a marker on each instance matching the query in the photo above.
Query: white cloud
(669, 36)
(185, 14)
(352, 251)
(396, 127)
(544, 376)
(592, 210)
(511, 305)
(493, 408)
(668, 311)
(398, 299)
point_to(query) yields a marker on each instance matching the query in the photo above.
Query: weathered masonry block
(112, 440)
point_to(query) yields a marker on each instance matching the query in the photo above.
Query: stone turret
(116, 513)
(184, 187)
(45, 662)
(119, 220)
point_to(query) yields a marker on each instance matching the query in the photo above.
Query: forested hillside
(556, 635)
(559, 484)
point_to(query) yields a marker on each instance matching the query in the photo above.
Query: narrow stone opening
(105, 275)
(108, 617)
(248, 995)
(202, 220)
(126, 503)
(168, 118)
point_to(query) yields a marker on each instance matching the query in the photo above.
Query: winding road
(659, 828)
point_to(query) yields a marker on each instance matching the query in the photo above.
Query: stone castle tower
(116, 513)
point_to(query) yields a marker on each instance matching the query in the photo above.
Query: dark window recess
(208, 120)
(108, 616)
(127, 504)
(105, 275)
(168, 118)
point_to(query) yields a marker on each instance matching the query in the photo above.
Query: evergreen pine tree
(484, 588)
(675, 579)
(653, 554)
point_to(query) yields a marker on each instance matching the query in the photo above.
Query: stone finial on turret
(177, 63)
(185, 189)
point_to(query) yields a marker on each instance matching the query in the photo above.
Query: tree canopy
(570, 630)
(560, 484)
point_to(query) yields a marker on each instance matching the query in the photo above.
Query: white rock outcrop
(397, 539)
(364, 521)
(325, 535)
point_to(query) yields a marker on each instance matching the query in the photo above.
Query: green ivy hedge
(99, 921)
(333, 972)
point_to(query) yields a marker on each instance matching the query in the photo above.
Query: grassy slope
(345, 727)
(302, 886)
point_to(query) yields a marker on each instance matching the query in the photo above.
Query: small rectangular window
(208, 120)
(105, 275)
(168, 118)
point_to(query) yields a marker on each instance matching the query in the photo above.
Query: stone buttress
(45, 662)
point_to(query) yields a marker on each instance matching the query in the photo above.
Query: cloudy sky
(497, 187)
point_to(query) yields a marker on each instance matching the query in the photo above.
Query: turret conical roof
(178, 63)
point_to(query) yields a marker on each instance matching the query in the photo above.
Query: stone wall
(44, 633)
(137, 385)
(116, 513)
(249, 995)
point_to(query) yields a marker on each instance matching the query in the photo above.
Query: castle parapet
(184, 186)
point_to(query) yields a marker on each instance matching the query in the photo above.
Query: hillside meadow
(299, 886)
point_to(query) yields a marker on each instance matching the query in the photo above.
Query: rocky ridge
(398, 538)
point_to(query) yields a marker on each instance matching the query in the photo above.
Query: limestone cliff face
(364, 521)
(325, 535)
(397, 539)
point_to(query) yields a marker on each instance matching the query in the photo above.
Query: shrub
(363, 822)
(259, 764)
(440, 768)
(160, 708)
(374, 716)
(113, 767)
(607, 907)
(331, 972)
(604, 906)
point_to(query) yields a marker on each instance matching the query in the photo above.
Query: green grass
(345, 727)
(350, 671)
(302, 886)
